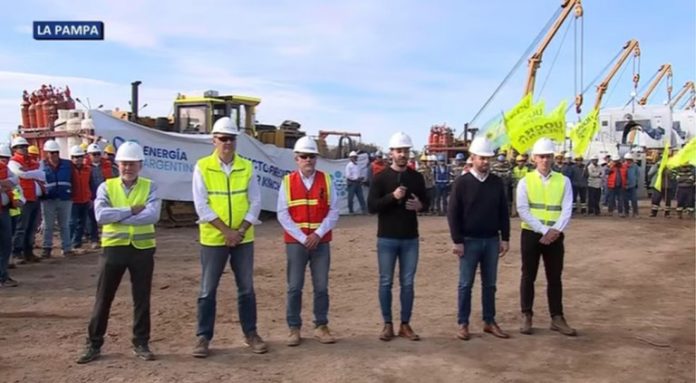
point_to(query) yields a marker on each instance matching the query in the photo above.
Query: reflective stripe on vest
(308, 208)
(116, 234)
(545, 201)
(227, 197)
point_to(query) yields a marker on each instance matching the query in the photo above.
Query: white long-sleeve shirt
(200, 196)
(353, 171)
(329, 222)
(535, 223)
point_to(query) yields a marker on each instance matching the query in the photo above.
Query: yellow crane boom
(688, 86)
(631, 46)
(665, 70)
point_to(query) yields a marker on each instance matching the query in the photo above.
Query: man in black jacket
(396, 196)
(480, 228)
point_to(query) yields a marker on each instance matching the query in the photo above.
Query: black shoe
(143, 352)
(91, 353)
(9, 282)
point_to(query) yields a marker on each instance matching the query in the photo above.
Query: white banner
(171, 157)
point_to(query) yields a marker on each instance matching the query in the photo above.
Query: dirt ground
(629, 290)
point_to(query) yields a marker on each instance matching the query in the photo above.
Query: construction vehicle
(343, 150)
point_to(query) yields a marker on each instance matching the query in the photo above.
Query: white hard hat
(306, 145)
(18, 141)
(225, 125)
(628, 156)
(412, 155)
(400, 140)
(615, 157)
(569, 155)
(5, 150)
(379, 154)
(94, 148)
(432, 157)
(353, 154)
(76, 151)
(51, 146)
(480, 146)
(594, 157)
(130, 151)
(543, 146)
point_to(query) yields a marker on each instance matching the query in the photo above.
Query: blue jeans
(52, 209)
(213, 261)
(92, 227)
(615, 198)
(441, 198)
(390, 250)
(484, 251)
(5, 242)
(319, 263)
(355, 189)
(78, 221)
(631, 196)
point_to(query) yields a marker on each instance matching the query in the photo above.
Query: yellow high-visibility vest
(116, 234)
(227, 197)
(545, 201)
(519, 173)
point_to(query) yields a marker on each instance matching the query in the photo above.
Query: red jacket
(3, 175)
(308, 208)
(613, 171)
(378, 166)
(28, 185)
(105, 166)
(81, 193)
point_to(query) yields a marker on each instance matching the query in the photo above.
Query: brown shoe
(492, 328)
(201, 349)
(294, 338)
(387, 333)
(526, 327)
(463, 332)
(323, 335)
(558, 323)
(257, 345)
(405, 331)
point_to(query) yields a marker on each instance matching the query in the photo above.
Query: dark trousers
(92, 228)
(552, 254)
(579, 199)
(685, 198)
(23, 240)
(113, 263)
(593, 195)
(657, 198)
(78, 220)
(5, 239)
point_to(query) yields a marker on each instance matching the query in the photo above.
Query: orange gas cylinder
(69, 100)
(46, 109)
(32, 115)
(25, 110)
(38, 111)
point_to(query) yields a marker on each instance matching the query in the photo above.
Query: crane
(688, 86)
(665, 70)
(631, 46)
(535, 60)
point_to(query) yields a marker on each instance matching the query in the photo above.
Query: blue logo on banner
(68, 30)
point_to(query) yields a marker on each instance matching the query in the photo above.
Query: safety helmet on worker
(400, 140)
(77, 151)
(19, 141)
(520, 158)
(50, 146)
(481, 146)
(615, 157)
(628, 156)
(5, 150)
(544, 146)
(459, 157)
(33, 149)
(225, 125)
(378, 154)
(130, 151)
(432, 158)
(579, 158)
(93, 148)
(569, 156)
(594, 157)
(84, 146)
(353, 154)
(306, 145)
(109, 149)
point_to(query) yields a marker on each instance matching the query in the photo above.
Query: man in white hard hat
(396, 196)
(227, 198)
(545, 203)
(81, 196)
(57, 202)
(632, 179)
(594, 185)
(8, 182)
(479, 224)
(102, 170)
(32, 180)
(14, 200)
(355, 179)
(128, 208)
(307, 210)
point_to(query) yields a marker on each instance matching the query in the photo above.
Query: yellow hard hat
(33, 149)
(83, 146)
(110, 149)
(558, 155)
(519, 158)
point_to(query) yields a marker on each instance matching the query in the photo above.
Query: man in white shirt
(545, 204)
(355, 178)
(308, 211)
(228, 202)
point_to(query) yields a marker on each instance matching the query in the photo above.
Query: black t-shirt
(393, 220)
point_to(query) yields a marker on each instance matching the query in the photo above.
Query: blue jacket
(442, 176)
(632, 175)
(58, 181)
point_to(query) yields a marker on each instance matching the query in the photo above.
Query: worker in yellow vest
(227, 198)
(518, 172)
(545, 204)
(127, 207)
(308, 210)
